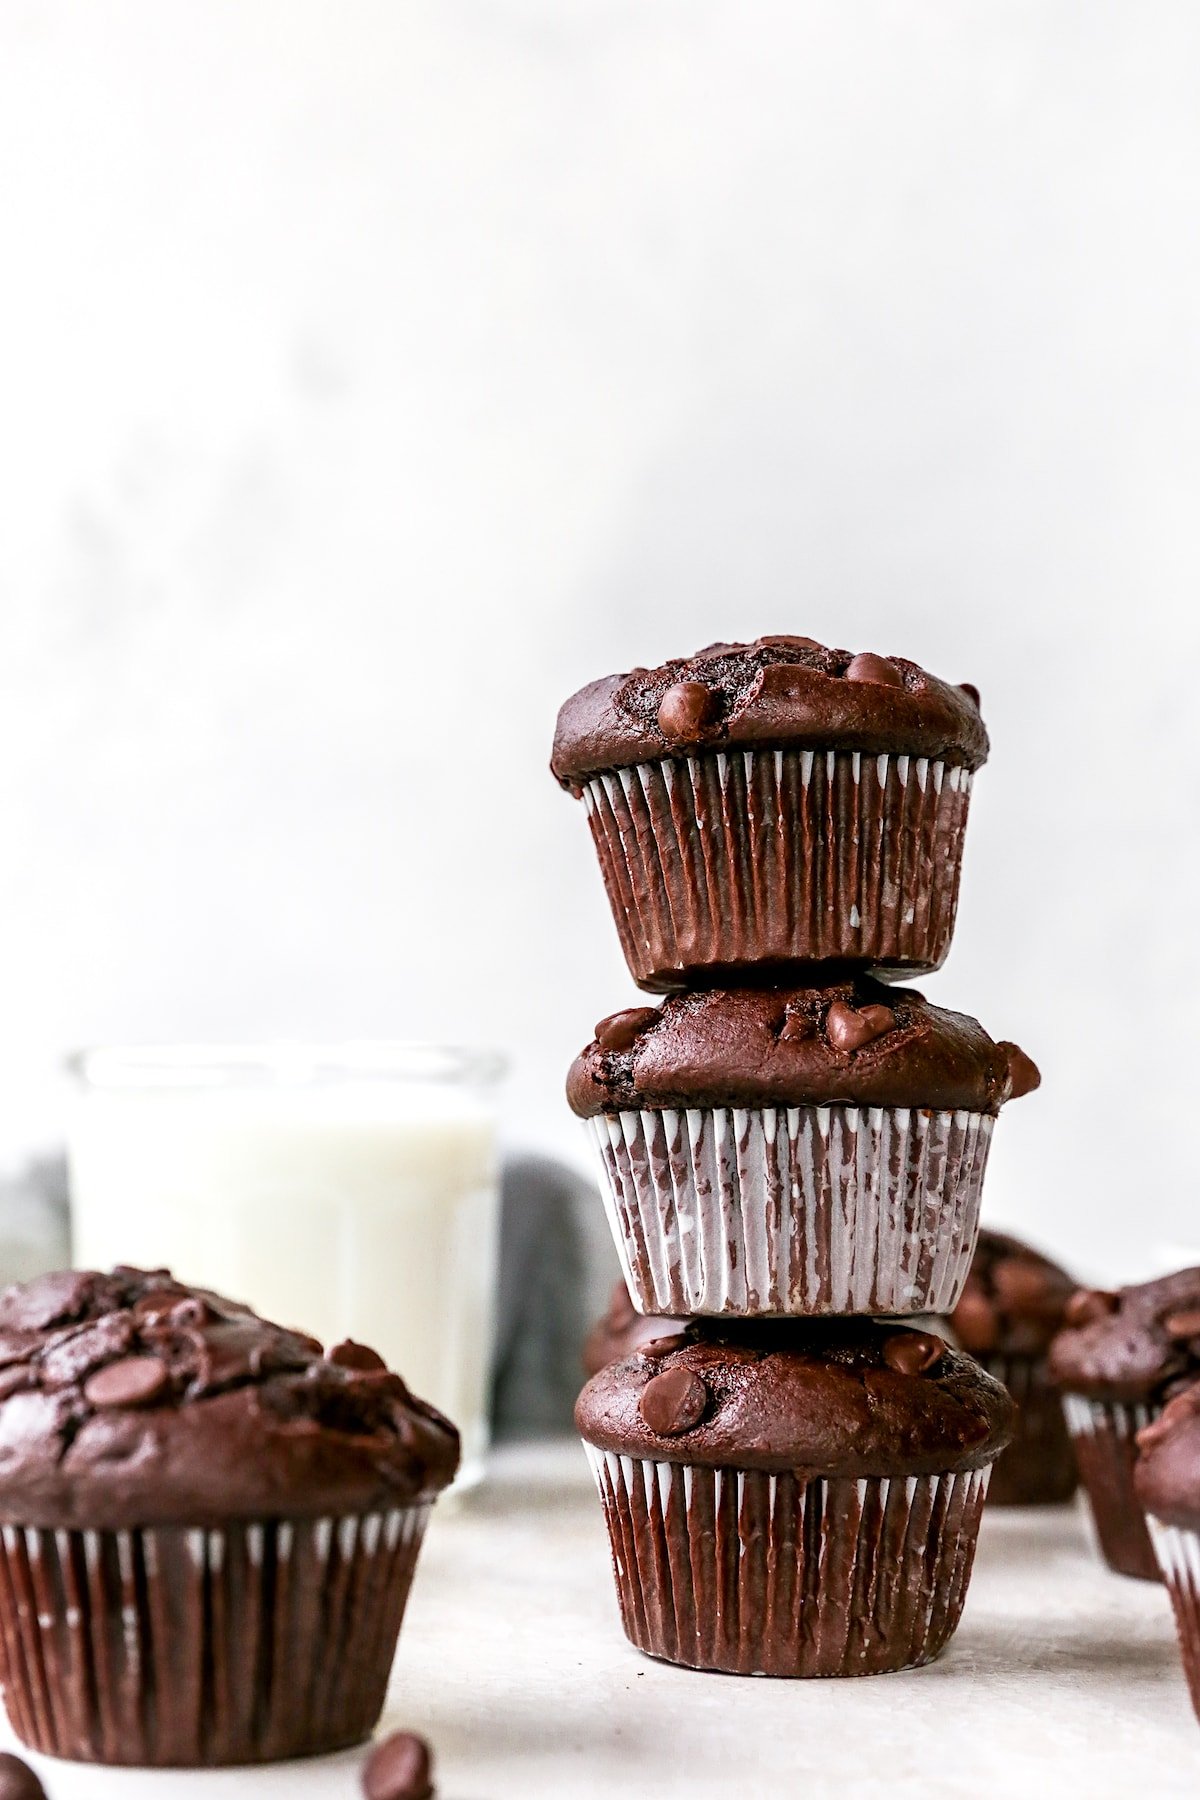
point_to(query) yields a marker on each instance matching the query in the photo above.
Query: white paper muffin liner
(173, 1646)
(760, 1574)
(1178, 1554)
(1104, 1434)
(803, 1210)
(727, 860)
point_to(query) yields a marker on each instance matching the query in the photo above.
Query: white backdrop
(374, 374)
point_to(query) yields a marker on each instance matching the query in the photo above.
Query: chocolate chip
(796, 1028)
(1087, 1306)
(47, 1300)
(189, 1313)
(1023, 1073)
(913, 1352)
(849, 1030)
(399, 1768)
(356, 1356)
(17, 1779)
(868, 667)
(659, 1346)
(621, 1030)
(673, 1402)
(971, 691)
(134, 1381)
(975, 1323)
(1183, 1325)
(686, 711)
(781, 640)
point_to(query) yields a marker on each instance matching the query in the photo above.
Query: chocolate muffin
(1167, 1482)
(1118, 1359)
(793, 1498)
(623, 1330)
(759, 807)
(794, 1150)
(209, 1527)
(1011, 1308)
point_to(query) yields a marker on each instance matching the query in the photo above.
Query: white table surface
(1062, 1679)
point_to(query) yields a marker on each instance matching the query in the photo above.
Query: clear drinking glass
(348, 1190)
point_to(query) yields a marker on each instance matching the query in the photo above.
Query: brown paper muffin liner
(759, 1574)
(171, 1646)
(1038, 1468)
(1104, 1437)
(805, 1210)
(722, 863)
(1178, 1555)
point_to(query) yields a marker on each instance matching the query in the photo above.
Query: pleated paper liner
(719, 865)
(1105, 1449)
(170, 1646)
(1178, 1556)
(808, 1210)
(758, 1574)
(1038, 1467)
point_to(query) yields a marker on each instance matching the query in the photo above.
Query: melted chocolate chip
(913, 1352)
(796, 1028)
(621, 1030)
(780, 640)
(866, 666)
(849, 1030)
(1183, 1325)
(1087, 1306)
(686, 711)
(399, 1768)
(357, 1356)
(134, 1381)
(659, 1346)
(1023, 1073)
(17, 1779)
(673, 1402)
(971, 691)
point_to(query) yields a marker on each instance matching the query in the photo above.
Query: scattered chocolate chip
(796, 1028)
(868, 667)
(673, 1402)
(1023, 1073)
(913, 1352)
(134, 1381)
(621, 1030)
(975, 1322)
(1087, 1306)
(849, 1030)
(971, 691)
(1180, 1326)
(399, 1768)
(686, 711)
(17, 1779)
(356, 1356)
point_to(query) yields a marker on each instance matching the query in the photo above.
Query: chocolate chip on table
(1087, 1306)
(134, 1381)
(621, 1030)
(849, 1030)
(673, 1402)
(17, 1779)
(1183, 1325)
(686, 711)
(913, 1352)
(866, 666)
(400, 1767)
(1023, 1073)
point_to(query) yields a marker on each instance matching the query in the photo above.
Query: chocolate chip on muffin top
(853, 1041)
(1135, 1344)
(1013, 1301)
(842, 1397)
(129, 1399)
(781, 691)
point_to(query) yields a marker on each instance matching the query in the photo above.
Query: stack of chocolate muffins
(793, 1154)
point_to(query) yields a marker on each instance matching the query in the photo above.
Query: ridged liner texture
(177, 1647)
(1178, 1554)
(1038, 1467)
(758, 1574)
(1104, 1436)
(801, 1211)
(723, 861)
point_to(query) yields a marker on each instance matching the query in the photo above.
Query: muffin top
(129, 1399)
(622, 1330)
(782, 692)
(854, 1041)
(822, 1397)
(1014, 1299)
(1167, 1472)
(1137, 1344)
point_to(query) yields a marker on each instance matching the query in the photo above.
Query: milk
(364, 1209)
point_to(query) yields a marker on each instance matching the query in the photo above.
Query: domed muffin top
(1135, 1344)
(1014, 1299)
(778, 692)
(853, 1041)
(622, 1330)
(1167, 1472)
(846, 1397)
(129, 1399)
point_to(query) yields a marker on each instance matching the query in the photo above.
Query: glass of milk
(349, 1191)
